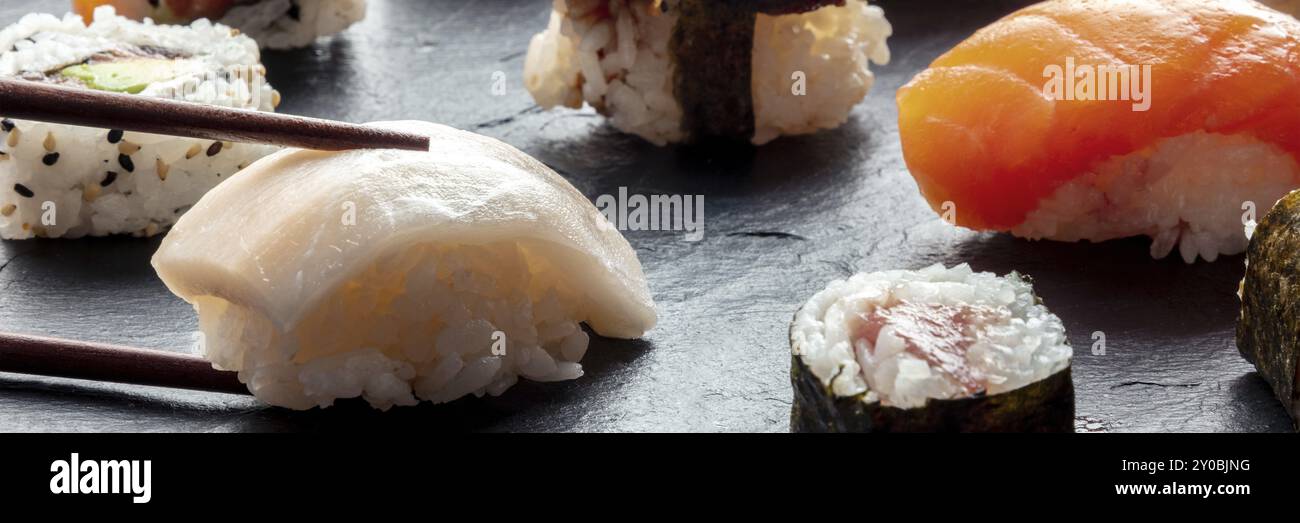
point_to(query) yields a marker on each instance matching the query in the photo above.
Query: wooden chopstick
(50, 103)
(24, 354)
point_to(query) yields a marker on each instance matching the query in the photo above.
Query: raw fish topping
(940, 335)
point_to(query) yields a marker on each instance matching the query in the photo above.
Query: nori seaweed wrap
(692, 70)
(934, 350)
(1268, 332)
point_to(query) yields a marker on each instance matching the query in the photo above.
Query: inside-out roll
(68, 181)
(275, 24)
(938, 349)
(400, 275)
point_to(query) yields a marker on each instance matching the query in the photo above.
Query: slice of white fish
(308, 257)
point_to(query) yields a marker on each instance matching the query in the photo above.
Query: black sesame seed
(50, 159)
(294, 12)
(108, 179)
(115, 135)
(126, 163)
(7, 125)
(23, 191)
(214, 148)
(153, 3)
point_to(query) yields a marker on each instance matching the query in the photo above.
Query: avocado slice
(125, 76)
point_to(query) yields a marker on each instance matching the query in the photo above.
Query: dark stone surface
(780, 221)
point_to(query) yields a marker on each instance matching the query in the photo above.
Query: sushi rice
(69, 181)
(614, 55)
(1175, 192)
(284, 24)
(275, 24)
(474, 291)
(1009, 339)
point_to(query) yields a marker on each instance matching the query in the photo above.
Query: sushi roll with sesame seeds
(275, 24)
(934, 350)
(692, 70)
(69, 181)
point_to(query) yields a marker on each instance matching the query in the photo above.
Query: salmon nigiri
(1098, 119)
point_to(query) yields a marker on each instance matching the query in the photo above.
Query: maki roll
(275, 24)
(68, 181)
(1268, 332)
(399, 276)
(685, 70)
(1099, 119)
(934, 350)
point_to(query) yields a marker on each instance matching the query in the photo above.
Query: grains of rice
(1174, 192)
(266, 22)
(418, 324)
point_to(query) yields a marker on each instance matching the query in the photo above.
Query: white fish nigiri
(397, 275)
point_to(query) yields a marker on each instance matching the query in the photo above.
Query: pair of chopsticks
(86, 107)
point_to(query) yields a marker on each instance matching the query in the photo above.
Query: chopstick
(50, 103)
(24, 354)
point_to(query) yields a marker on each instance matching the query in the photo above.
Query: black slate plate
(780, 222)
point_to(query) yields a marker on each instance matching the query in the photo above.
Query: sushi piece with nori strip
(934, 350)
(275, 24)
(693, 70)
(1092, 120)
(1268, 331)
(63, 167)
(400, 276)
